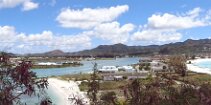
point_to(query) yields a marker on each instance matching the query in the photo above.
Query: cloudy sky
(31, 26)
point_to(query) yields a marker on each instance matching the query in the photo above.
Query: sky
(35, 26)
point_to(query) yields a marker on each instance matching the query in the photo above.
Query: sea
(204, 64)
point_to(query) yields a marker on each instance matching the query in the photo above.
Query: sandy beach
(194, 68)
(66, 90)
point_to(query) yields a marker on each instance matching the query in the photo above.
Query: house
(126, 68)
(108, 69)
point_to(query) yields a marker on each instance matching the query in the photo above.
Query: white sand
(66, 90)
(194, 68)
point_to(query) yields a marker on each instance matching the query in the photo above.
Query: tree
(109, 98)
(17, 80)
(94, 86)
(135, 92)
(178, 63)
(144, 93)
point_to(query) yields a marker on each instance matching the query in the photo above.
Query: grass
(192, 77)
(106, 85)
(198, 78)
(75, 77)
(112, 85)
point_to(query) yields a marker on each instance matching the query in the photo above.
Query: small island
(46, 65)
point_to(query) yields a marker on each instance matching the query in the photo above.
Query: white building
(127, 68)
(108, 69)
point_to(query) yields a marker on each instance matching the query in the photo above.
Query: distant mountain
(117, 50)
(49, 54)
(9, 54)
(187, 47)
(55, 53)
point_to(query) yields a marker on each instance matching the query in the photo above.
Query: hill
(187, 47)
(49, 54)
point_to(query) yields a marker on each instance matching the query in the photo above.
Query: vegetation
(18, 80)
(178, 64)
(109, 98)
(76, 77)
(145, 66)
(93, 86)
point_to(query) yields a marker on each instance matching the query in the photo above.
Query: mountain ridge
(189, 46)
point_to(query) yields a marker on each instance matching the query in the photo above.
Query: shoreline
(197, 69)
(65, 90)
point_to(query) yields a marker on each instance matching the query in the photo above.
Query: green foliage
(109, 98)
(80, 77)
(18, 78)
(94, 86)
(178, 63)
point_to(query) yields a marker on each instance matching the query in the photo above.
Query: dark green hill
(187, 47)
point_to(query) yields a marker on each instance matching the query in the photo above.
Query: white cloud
(88, 18)
(7, 35)
(113, 32)
(156, 36)
(63, 42)
(165, 27)
(10, 3)
(175, 22)
(28, 5)
(47, 40)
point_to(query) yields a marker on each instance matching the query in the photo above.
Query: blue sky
(31, 26)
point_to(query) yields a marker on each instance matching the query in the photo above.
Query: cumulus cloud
(113, 32)
(157, 36)
(7, 33)
(165, 27)
(27, 4)
(175, 22)
(7, 36)
(88, 18)
(47, 39)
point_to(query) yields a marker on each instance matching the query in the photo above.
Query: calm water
(204, 64)
(87, 67)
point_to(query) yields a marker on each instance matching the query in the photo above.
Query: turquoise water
(87, 67)
(203, 64)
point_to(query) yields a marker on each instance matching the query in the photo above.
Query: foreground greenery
(16, 81)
